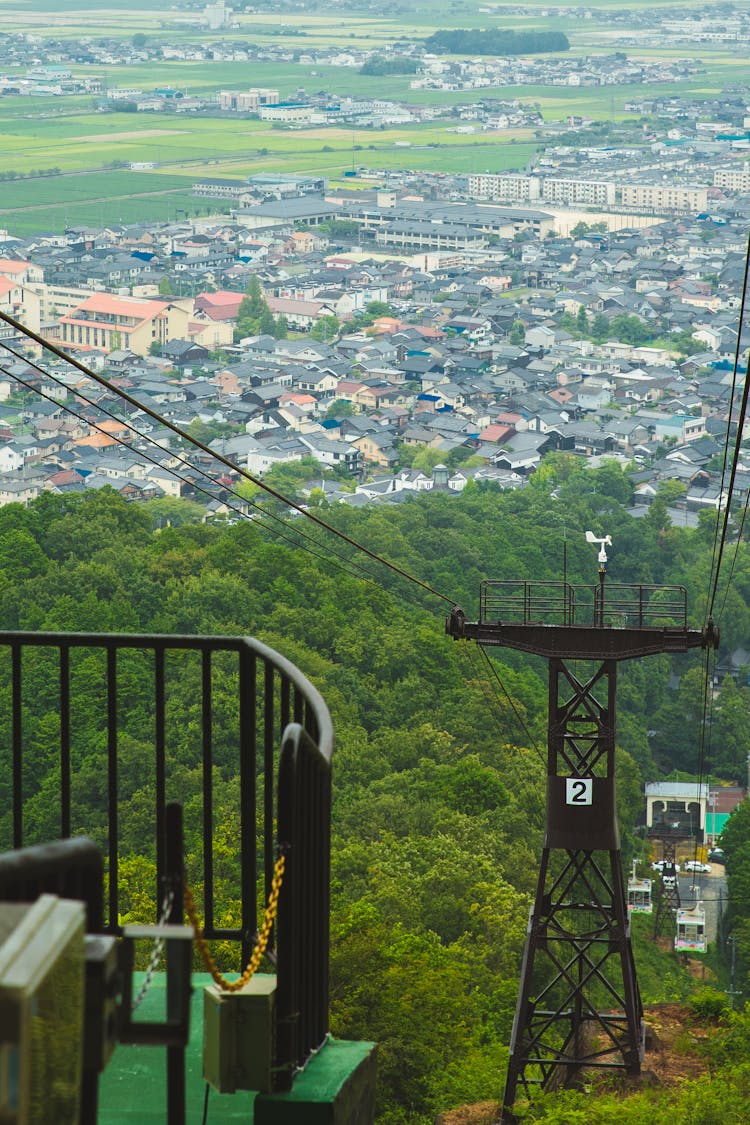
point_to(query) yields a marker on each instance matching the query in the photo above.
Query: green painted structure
(336, 1088)
(715, 824)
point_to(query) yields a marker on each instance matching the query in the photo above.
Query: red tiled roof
(298, 397)
(220, 302)
(10, 265)
(496, 432)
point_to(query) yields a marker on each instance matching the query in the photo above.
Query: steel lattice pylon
(578, 1003)
(668, 893)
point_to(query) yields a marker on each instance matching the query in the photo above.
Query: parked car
(716, 855)
(696, 865)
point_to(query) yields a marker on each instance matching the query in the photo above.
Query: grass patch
(122, 209)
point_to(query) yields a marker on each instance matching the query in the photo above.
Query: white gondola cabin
(691, 929)
(639, 896)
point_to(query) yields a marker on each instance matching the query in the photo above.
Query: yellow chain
(260, 946)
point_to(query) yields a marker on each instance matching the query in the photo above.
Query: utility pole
(578, 1001)
(732, 969)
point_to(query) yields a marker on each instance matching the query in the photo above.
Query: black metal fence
(558, 603)
(98, 732)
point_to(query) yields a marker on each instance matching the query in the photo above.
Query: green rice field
(93, 149)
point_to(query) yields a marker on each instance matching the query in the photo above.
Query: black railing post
(16, 735)
(160, 767)
(65, 794)
(303, 986)
(248, 800)
(271, 695)
(208, 792)
(178, 1003)
(112, 787)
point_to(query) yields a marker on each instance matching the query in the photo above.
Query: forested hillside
(439, 767)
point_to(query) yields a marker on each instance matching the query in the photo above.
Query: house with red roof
(18, 298)
(222, 305)
(497, 433)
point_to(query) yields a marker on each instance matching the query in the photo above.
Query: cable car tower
(578, 1003)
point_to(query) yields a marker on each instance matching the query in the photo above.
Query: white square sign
(579, 790)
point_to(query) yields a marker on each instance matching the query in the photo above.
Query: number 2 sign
(579, 790)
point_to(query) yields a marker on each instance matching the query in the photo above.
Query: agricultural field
(92, 148)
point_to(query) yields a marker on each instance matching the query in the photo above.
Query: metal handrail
(272, 706)
(302, 977)
(616, 605)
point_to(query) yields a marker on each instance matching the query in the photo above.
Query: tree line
(495, 41)
(439, 778)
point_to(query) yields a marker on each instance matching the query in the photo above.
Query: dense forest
(438, 773)
(495, 41)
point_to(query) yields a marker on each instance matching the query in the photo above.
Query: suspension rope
(263, 514)
(185, 436)
(718, 550)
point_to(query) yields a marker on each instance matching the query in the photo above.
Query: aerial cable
(511, 702)
(718, 552)
(492, 698)
(484, 684)
(263, 514)
(185, 436)
(709, 659)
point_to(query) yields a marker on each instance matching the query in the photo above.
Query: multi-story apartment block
(558, 190)
(18, 296)
(733, 179)
(672, 197)
(222, 189)
(287, 113)
(510, 188)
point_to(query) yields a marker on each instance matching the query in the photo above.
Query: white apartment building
(510, 188)
(733, 179)
(672, 197)
(558, 190)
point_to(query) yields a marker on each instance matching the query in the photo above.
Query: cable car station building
(676, 808)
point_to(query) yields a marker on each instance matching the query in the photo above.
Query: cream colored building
(18, 297)
(510, 188)
(59, 300)
(671, 197)
(110, 322)
(559, 190)
(20, 302)
(733, 179)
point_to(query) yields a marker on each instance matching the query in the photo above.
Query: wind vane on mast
(606, 541)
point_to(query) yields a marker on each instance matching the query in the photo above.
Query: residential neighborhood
(400, 370)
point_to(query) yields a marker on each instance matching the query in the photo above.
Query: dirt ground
(670, 1059)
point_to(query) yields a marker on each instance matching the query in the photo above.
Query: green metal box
(238, 1031)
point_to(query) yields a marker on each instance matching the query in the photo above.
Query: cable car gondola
(691, 929)
(639, 896)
